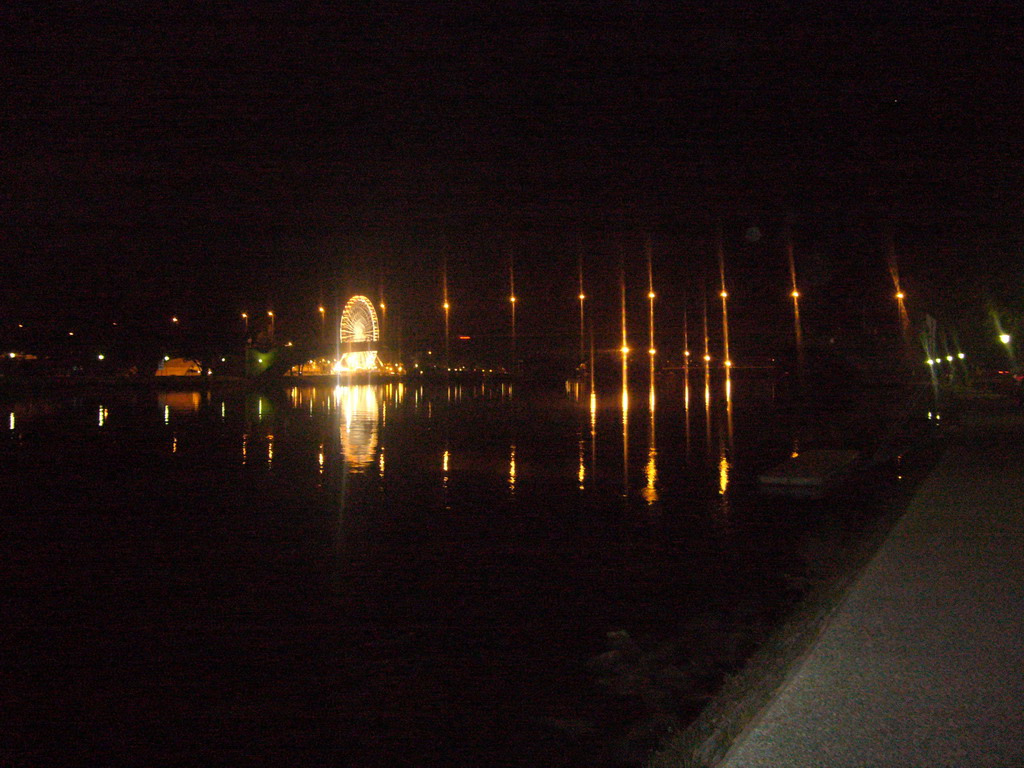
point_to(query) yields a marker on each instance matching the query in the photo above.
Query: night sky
(163, 161)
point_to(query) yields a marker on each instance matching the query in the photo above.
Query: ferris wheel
(359, 321)
(359, 334)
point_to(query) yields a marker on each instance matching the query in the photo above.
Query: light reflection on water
(650, 492)
(539, 446)
(180, 402)
(512, 469)
(360, 417)
(548, 515)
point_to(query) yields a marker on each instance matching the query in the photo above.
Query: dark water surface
(379, 575)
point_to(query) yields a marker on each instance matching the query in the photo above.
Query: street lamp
(512, 304)
(1005, 338)
(447, 333)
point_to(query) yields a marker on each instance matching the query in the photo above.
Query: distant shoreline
(49, 383)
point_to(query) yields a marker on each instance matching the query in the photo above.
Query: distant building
(179, 366)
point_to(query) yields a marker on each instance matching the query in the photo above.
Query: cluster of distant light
(947, 358)
(363, 361)
(1004, 338)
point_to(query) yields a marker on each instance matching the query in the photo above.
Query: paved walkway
(922, 663)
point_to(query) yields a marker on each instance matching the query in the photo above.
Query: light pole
(446, 307)
(726, 361)
(582, 297)
(512, 304)
(651, 351)
(270, 315)
(795, 295)
(624, 349)
(1007, 341)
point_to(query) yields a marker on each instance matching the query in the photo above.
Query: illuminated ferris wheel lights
(359, 326)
